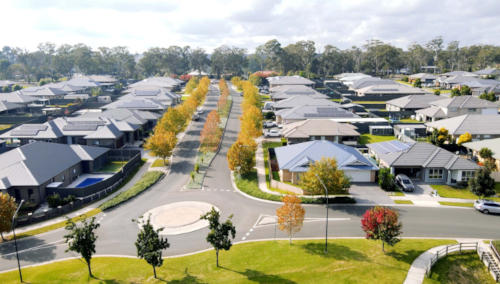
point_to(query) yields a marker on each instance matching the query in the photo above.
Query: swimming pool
(88, 181)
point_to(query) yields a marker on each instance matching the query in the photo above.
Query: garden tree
(7, 209)
(485, 153)
(326, 169)
(381, 223)
(386, 179)
(211, 132)
(439, 137)
(482, 184)
(241, 156)
(255, 80)
(464, 138)
(290, 215)
(490, 96)
(198, 60)
(455, 92)
(81, 239)
(417, 83)
(220, 234)
(150, 244)
(161, 143)
(465, 91)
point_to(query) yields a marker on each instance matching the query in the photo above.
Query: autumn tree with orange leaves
(290, 215)
(211, 133)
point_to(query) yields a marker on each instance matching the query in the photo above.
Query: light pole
(15, 241)
(326, 221)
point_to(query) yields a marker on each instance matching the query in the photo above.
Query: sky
(142, 24)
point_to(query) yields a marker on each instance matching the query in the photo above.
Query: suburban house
(456, 106)
(144, 120)
(6, 83)
(294, 160)
(288, 80)
(492, 144)
(426, 162)
(488, 72)
(43, 93)
(386, 147)
(8, 107)
(294, 101)
(26, 172)
(371, 81)
(480, 126)
(159, 82)
(320, 129)
(411, 103)
(158, 94)
(17, 98)
(298, 113)
(426, 79)
(389, 91)
(138, 104)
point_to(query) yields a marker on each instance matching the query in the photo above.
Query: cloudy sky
(141, 24)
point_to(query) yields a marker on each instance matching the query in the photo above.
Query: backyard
(347, 261)
(369, 138)
(112, 167)
(5, 126)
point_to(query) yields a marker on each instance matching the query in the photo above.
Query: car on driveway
(405, 183)
(487, 206)
(273, 133)
(269, 124)
(196, 117)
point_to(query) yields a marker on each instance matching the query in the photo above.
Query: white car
(273, 133)
(487, 206)
(269, 124)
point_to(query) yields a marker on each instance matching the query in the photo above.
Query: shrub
(437, 92)
(386, 179)
(269, 115)
(54, 200)
(197, 168)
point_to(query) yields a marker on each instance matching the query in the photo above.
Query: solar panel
(24, 132)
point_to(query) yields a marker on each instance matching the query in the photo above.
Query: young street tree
(161, 143)
(7, 209)
(290, 215)
(149, 244)
(482, 184)
(241, 156)
(381, 223)
(81, 239)
(334, 179)
(220, 234)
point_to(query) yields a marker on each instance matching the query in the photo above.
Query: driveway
(369, 193)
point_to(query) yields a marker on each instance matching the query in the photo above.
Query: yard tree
(241, 156)
(482, 184)
(255, 79)
(7, 209)
(437, 92)
(439, 137)
(465, 91)
(81, 239)
(326, 169)
(490, 96)
(150, 244)
(290, 215)
(220, 234)
(417, 83)
(161, 143)
(386, 179)
(455, 92)
(464, 138)
(485, 153)
(382, 223)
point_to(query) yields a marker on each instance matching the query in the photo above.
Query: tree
(241, 156)
(488, 96)
(149, 244)
(417, 83)
(381, 223)
(485, 153)
(465, 91)
(211, 132)
(439, 137)
(437, 92)
(7, 209)
(198, 60)
(464, 138)
(326, 169)
(455, 92)
(482, 184)
(161, 143)
(220, 234)
(290, 215)
(81, 239)
(386, 179)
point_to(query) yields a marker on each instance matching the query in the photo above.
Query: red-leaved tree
(381, 223)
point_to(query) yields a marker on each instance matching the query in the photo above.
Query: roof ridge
(463, 120)
(452, 161)
(401, 152)
(431, 157)
(465, 101)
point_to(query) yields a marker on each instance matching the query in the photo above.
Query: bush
(386, 180)
(269, 115)
(197, 168)
(55, 200)
(437, 92)
(146, 181)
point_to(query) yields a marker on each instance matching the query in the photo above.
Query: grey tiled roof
(16, 97)
(492, 144)
(318, 127)
(432, 111)
(314, 112)
(4, 106)
(289, 80)
(475, 124)
(294, 101)
(465, 102)
(414, 101)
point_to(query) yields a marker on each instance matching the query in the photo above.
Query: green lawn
(368, 138)
(465, 268)
(348, 261)
(459, 204)
(265, 146)
(403, 201)
(336, 100)
(409, 120)
(112, 167)
(5, 126)
(453, 192)
(158, 163)
(396, 193)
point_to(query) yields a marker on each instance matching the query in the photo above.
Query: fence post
(446, 250)
(460, 248)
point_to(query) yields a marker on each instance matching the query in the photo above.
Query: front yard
(369, 138)
(453, 192)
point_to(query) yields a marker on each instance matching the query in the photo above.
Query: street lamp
(15, 241)
(326, 220)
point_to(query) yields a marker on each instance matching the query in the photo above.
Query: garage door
(359, 176)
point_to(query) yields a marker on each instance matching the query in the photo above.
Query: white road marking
(47, 245)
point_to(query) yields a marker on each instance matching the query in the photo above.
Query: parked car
(487, 206)
(405, 183)
(199, 110)
(269, 124)
(196, 117)
(273, 133)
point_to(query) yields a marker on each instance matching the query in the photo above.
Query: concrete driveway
(369, 193)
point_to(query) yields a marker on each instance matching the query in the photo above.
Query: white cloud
(141, 24)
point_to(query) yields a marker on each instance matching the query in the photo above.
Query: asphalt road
(117, 233)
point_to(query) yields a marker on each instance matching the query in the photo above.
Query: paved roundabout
(179, 217)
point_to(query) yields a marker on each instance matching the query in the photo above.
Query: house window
(74, 171)
(467, 175)
(436, 173)
(472, 110)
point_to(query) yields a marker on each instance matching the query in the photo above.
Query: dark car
(405, 183)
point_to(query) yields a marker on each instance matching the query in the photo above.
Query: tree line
(302, 57)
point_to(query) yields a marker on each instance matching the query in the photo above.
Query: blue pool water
(88, 181)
